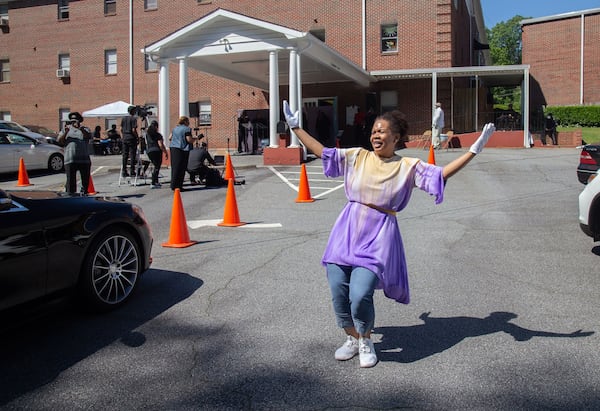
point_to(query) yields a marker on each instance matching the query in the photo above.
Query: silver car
(14, 126)
(36, 154)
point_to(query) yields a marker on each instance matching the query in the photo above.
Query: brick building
(66, 56)
(563, 52)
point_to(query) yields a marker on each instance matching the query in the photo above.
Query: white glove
(478, 145)
(291, 118)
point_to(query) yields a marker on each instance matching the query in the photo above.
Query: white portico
(252, 52)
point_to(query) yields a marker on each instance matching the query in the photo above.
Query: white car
(36, 154)
(589, 208)
(13, 126)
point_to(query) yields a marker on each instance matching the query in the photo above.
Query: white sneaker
(366, 353)
(348, 350)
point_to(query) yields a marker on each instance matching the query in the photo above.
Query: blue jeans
(352, 291)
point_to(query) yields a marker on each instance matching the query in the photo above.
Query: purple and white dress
(366, 233)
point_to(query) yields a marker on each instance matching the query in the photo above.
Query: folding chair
(425, 140)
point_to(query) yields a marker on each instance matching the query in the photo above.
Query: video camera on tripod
(141, 111)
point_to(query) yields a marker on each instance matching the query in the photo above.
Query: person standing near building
(130, 137)
(181, 142)
(365, 250)
(549, 130)
(155, 150)
(75, 139)
(437, 125)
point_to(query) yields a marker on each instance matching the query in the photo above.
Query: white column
(300, 107)
(299, 90)
(163, 100)
(273, 98)
(184, 109)
(525, 108)
(293, 91)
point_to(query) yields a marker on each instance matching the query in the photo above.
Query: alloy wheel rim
(115, 269)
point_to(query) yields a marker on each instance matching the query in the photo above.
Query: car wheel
(56, 163)
(110, 270)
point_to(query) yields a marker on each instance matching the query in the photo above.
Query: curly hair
(397, 122)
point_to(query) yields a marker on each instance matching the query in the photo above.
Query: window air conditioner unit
(61, 73)
(3, 21)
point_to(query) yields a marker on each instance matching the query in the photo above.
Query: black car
(589, 162)
(52, 242)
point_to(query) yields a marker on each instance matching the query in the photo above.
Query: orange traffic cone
(23, 177)
(178, 235)
(229, 175)
(91, 189)
(431, 159)
(303, 189)
(231, 217)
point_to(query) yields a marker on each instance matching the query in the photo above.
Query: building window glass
(205, 118)
(4, 71)
(389, 38)
(64, 61)
(110, 7)
(63, 9)
(150, 65)
(63, 117)
(150, 4)
(5, 115)
(110, 61)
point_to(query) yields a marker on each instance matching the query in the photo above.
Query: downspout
(364, 34)
(130, 52)
(582, 47)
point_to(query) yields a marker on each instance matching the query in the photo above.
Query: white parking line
(294, 176)
(193, 224)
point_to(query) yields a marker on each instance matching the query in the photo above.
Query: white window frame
(4, 71)
(150, 4)
(109, 5)
(63, 117)
(205, 118)
(150, 65)
(110, 62)
(64, 61)
(389, 38)
(63, 9)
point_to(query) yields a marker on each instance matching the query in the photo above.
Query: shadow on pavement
(414, 343)
(35, 352)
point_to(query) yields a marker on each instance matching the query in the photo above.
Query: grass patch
(591, 135)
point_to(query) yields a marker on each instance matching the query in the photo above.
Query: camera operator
(75, 139)
(181, 142)
(130, 140)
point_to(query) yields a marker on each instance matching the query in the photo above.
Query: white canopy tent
(111, 110)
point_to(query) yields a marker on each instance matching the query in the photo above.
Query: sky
(496, 11)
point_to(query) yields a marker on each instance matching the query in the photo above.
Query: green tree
(505, 42)
(505, 49)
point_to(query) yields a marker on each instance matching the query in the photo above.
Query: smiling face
(382, 139)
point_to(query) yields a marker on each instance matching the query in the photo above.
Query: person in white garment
(437, 125)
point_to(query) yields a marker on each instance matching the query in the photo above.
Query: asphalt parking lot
(504, 311)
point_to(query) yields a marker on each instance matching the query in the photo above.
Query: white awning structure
(110, 110)
(509, 75)
(253, 52)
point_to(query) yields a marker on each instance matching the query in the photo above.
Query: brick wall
(431, 33)
(553, 48)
